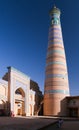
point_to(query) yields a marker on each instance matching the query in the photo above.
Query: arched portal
(19, 102)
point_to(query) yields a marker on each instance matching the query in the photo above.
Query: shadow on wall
(63, 105)
(41, 109)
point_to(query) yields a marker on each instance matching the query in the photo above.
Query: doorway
(19, 112)
(73, 112)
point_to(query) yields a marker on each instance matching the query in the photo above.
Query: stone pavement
(24, 123)
(36, 123)
(68, 124)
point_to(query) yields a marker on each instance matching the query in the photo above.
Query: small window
(74, 102)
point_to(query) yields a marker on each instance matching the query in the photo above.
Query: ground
(36, 123)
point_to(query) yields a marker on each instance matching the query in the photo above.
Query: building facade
(38, 107)
(72, 106)
(56, 74)
(16, 95)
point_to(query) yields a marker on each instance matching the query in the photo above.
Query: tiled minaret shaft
(56, 75)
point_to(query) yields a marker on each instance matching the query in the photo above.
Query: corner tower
(56, 76)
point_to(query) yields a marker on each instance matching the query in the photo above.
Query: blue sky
(24, 26)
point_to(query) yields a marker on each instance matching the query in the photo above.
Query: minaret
(56, 75)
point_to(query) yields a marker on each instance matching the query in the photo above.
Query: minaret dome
(55, 10)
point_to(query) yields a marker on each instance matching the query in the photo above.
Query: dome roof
(55, 10)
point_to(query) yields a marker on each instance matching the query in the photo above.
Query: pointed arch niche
(19, 102)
